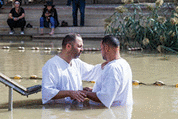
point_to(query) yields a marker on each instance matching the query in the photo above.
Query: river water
(150, 102)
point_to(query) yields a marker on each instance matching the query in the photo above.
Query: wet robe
(113, 84)
(59, 75)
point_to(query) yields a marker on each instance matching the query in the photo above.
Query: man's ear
(107, 48)
(68, 47)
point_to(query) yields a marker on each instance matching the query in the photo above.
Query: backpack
(64, 24)
(29, 25)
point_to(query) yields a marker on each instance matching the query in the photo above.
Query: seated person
(113, 85)
(16, 18)
(49, 16)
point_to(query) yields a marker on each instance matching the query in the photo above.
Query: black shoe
(75, 25)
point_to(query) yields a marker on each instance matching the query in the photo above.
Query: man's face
(77, 47)
(103, 51)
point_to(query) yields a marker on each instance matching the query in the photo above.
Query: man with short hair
(62, 74)
(114, 77)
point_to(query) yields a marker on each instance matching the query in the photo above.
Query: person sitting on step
(48, 17)
(16, 18)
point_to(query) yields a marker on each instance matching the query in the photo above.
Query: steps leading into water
(60, 32)
(94, 21)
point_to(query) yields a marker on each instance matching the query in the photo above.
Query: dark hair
(111, 40)
(70, 38)
(17, 1)
(49, 3)
(19, 10)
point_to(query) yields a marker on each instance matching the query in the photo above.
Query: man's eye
(79, 46)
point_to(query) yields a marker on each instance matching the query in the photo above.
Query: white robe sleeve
(93, 74)
(49, 83)
(84, 68)
(109, 87)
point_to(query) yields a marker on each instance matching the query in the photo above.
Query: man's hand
(78, 95)
(91, 95)
(87, 89)
(47, 14)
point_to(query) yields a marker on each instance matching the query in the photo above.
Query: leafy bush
(156, 28)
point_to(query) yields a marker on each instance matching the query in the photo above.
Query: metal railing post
(10, 107)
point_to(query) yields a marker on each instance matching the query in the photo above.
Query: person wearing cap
(16, 18)
(49, 17)
(77, 4)
(113, 85)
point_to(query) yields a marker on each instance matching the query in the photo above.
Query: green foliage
(150, 29)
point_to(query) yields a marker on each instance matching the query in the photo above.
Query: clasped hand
(78, 95)
(15, 18)
(47, 14)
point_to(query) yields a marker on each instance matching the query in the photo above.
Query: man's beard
(104, 58)
(76, 54)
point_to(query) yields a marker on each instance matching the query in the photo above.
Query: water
(150, 102)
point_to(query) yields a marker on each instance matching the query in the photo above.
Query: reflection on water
(89, 111)
(149, 101)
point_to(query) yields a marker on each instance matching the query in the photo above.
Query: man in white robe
(113, 85)
(61, 75)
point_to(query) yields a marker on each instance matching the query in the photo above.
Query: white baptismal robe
(59, 75)
(113, 87)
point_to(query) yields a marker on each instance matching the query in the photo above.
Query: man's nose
(81, 49)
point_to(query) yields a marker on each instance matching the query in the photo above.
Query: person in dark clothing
(77, 4)
(48, 17)
(16, 18)
(1, 3)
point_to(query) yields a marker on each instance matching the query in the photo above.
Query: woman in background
(16, 18)
(49, 17)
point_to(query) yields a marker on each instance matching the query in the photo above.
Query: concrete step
(18, 37)
(63, 2)
(28, 31)
(61, 36)
(58, 30)
(60, 9)
(99, 12)
(89, 8)
(36, 22)
(61, 16)
(63, 9)
(79, 30)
